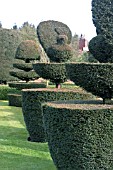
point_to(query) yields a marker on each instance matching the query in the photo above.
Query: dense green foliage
(9, 41)
(55, 38)
(95, 78)
(79, 135)
(4, 90)
(29, 51)
(48, 32)
(100, 49)
(30, 85)
(15, 151)
(61, 51)
(102, 15)
(32, 111)
(55, 72)
(101, 46)
(15, 99)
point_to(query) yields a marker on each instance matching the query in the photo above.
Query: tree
(0, 24)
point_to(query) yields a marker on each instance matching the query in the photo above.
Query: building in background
(83, 44)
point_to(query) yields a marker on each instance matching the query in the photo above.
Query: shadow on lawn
(19, 161)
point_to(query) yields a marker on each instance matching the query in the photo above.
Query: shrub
(48, 32)
(22, 85)
(79, 134)
(101, 49)
(61, 51)
(28, 51)
(93, 77)
(15, 100)
(4, 90)
(55, 72)
(10, 39)
(32, 110)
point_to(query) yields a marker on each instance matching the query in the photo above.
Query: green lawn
(16, 153)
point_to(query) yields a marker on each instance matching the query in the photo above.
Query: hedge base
(32, 110)
(80, 135)
(15, 100)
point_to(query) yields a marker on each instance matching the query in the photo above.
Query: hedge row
(21, 86)
(79, 135)
(32, 110)
(4, 90)
(15, 99)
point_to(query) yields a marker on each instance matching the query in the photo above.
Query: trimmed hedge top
(55, 72)
(28, 49)
(93, 77)
(79, 104)
(79, 138)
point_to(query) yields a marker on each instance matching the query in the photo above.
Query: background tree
(75, 46)
(0, 24)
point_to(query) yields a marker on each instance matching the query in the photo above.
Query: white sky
(75, 13)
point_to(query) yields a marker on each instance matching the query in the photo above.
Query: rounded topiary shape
(55, 72)
(93, 77)
(100, 49)
(61, 51)
(28, 50)
(48, 32)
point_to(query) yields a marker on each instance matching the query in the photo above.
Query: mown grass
(16, 153)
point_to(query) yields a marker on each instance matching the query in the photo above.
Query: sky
(76, 14)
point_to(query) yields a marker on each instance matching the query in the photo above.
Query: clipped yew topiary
(93, 77)
(55, 37)
(61, 51)
(32, 110)
(48, 31)
(79, 134)
(55, 72)
(28, 51)
(101, 49)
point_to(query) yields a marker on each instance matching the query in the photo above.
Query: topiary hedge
(101, 49)
(9, 41)
(15, 99)
(28, 49)
(32, 110)
(25, 75)
(48, 32)
(79, 134)
(22, 85)
(55, 72)
(93, 77)
(61, 51)
(4, 90)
